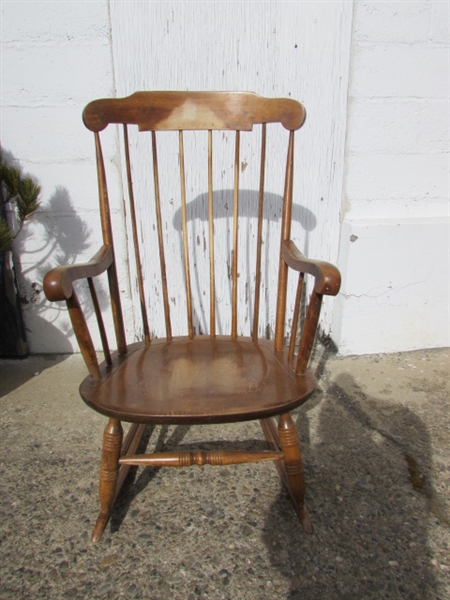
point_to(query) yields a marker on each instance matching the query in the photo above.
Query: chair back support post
(101, 325)
(108, 240)
(295, 317)
(309, 332)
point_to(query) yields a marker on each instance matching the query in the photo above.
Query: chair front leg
(293, 467)
(109, 471)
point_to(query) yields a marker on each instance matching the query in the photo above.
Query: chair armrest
(327, 276)
(58, 282)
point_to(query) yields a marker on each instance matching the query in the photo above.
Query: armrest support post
(327, 281)
(83, 336)
(309, 332)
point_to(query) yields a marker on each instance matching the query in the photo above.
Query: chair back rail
(165, 111)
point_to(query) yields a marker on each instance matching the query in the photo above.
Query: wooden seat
(196, 381)
(185, 375)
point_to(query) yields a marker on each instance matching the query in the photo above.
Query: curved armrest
(328, 278)
(58, 282)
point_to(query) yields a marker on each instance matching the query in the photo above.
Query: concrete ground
(377, 459)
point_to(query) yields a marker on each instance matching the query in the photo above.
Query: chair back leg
(293, 466)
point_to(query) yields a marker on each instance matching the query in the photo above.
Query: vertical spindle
(162, 260)
(259, 235)
(234, 271)
(101, 325)
(185, 236)
(212, 298)
(137, 254)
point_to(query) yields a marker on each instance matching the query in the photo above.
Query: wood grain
(167, 111)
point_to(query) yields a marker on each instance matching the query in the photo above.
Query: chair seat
(200, 380)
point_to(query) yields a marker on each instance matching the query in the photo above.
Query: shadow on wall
(223, 203)
(63, 238)
(367, 474)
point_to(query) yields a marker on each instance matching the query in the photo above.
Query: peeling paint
(325, 50)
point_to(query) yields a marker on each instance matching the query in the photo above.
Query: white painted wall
(394, 251)
(56, 56)
(297, 49)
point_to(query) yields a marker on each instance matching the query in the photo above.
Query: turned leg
(109, 471)
(293, 467)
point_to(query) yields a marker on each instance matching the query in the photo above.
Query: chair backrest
(146, 119)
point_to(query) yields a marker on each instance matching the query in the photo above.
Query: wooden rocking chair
(197, 378)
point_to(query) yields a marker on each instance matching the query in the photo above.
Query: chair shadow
(16, 372)
(223, 201)
(60, 236)
(223, 205)
(369, 489)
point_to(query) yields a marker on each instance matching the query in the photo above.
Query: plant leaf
(27, 198)
(6, 236)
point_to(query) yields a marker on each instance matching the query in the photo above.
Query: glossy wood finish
(197, 379)
(101, 325)
(327, 279)
(165, 111)
(188, 459)
(137, 252)
(58, 282)
(234, 254)
(212, 276)
(109, 473)
(262, 172)
(201, 380)
(83, 334)
(187, 270)
(285, 235)
(129, 447)
(162, 260)
(284, 438)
